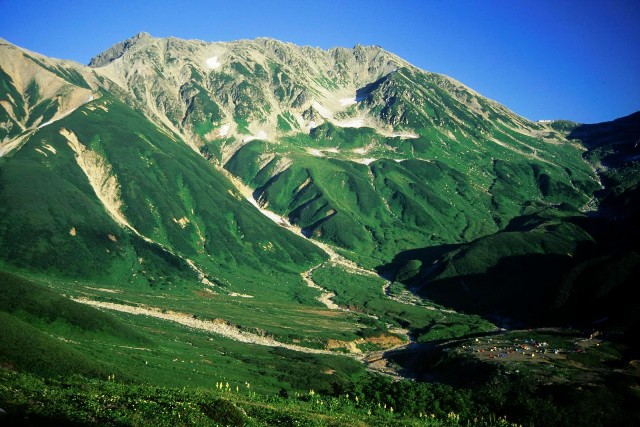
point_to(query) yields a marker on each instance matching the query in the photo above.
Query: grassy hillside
(139, 286)
(166, 192)
(401, 200)
(554, 266)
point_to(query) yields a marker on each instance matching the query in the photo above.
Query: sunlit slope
(377, 196)
(94, 192)
(49, 335)
(35, 90)
(356, 146)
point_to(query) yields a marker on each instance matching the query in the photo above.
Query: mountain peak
(118, 49)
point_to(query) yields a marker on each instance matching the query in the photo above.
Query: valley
(337, 228)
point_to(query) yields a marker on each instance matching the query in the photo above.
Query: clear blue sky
(544, 59)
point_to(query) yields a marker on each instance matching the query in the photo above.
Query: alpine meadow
(258, 233)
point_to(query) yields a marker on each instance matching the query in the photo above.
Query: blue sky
(570, 59)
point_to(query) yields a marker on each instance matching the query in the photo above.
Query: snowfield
(260, 135)
(348, 101)
(213, 63)
(324, 112)
(355, 123)
(223, 131)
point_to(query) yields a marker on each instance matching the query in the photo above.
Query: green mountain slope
(555, 266)
(108, 176)
(182, 213)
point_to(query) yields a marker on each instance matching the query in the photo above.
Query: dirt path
(325, 296)
(215, 326)
(375, 361)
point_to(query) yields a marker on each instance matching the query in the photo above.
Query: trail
(334, 257)
(376, 361)
(215, 326)
(408, 298)
(325, 296)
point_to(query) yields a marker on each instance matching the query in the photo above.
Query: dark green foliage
(43, 111)
(29, 312)
(511, 273)
(27, 348)
(426, 322)
(9, 94)
(202, 112)
(23, 298)
(283, 124)
(223, 412)
(469, 205)
(41, 200)
(329, 135)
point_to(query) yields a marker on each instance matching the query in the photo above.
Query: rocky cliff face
(264, 89)
(247, 89)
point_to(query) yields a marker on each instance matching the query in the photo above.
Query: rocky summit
(181, 212)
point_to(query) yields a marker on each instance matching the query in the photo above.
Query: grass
(433, 198)
(63, 337)
(480, 212)
(149, 173)
(78, 401)
(424, 320)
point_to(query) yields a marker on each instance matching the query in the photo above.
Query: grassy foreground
(77, 401)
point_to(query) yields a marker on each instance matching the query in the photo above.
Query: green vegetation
(425, 321)
(67, 73)
(97, 402)
(477, 217)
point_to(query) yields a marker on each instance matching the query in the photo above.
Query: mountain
(570, 267)
(287, 214)
(342, 142)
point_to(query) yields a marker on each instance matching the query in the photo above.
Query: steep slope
(555, 267)
(99, 179)
(124, 187)
(36, 90)
(356, 146)
(247, 89)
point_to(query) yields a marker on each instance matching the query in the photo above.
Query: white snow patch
(260, 135)
(315, 152)
(332, 150)
(41, 152)
(224, 130)
(404, 135)
(355, 123)
(360, 150)
(348, 101)
(399, 160)
(271, 215)
(57, 118)
(324, 112)
(213, 63)
(366, 161)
